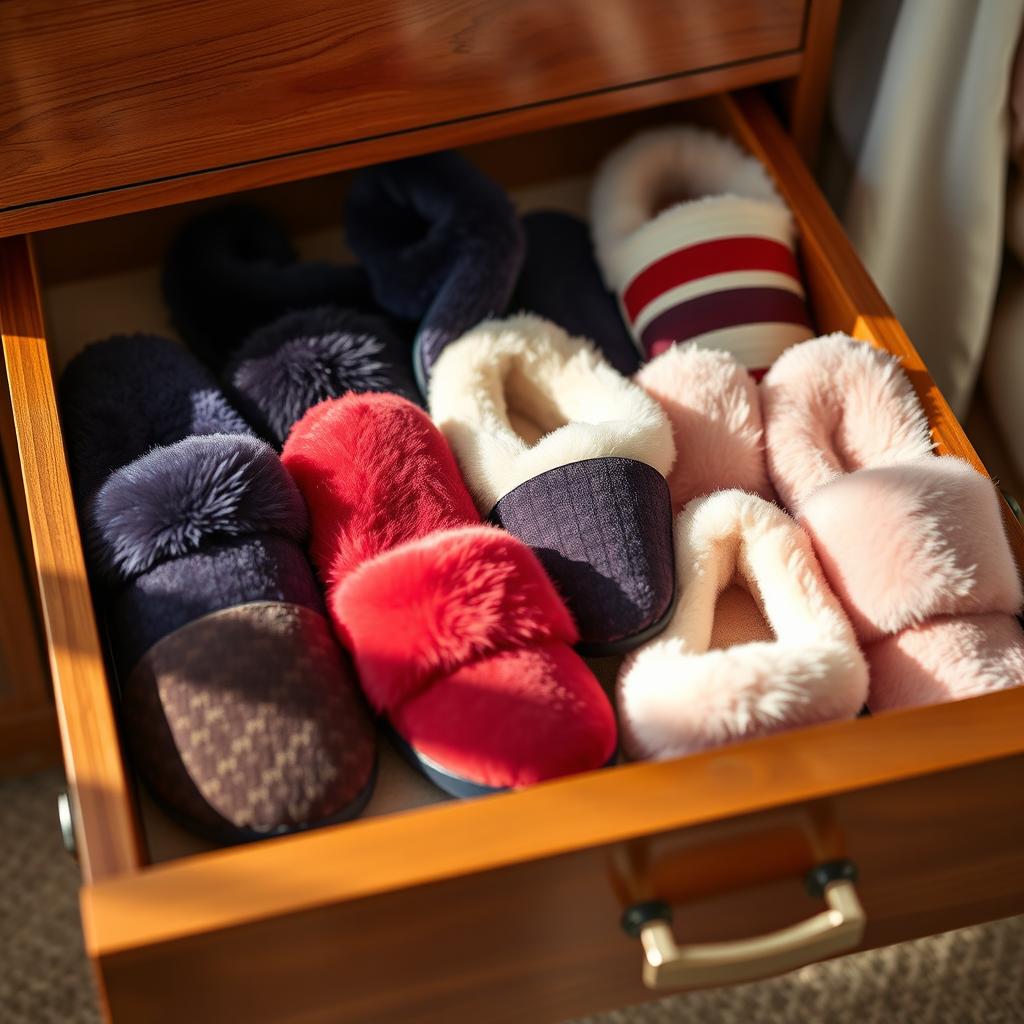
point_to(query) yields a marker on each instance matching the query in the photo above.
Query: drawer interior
(103, 278)
(100, 279)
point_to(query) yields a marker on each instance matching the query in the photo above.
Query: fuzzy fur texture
(901, 544)
(222, 574)
(660, 172)
(458, 634)
(713, 406)
(834, 405)
(526, 376)
(946, 659)
(375, 473)
(420, 611)
(303, 358)
(441, 242)
(121, 397)
(517, 718)
(677, 696)
(232, 270)
(178, 498)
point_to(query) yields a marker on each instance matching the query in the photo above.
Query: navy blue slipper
(239, 709)
(561, 282)
(234, 269)
(442, 245)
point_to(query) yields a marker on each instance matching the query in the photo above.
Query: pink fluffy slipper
(757, 644)
(833, 405)
(713, 406)
(912, 544)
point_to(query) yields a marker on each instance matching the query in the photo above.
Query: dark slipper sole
(602, 528)
(448, 782)
(230, 835)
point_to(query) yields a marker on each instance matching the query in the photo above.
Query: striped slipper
(695, 240)
(238, 708)
(571, 457)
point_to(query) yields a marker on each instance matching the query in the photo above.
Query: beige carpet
(973, 976)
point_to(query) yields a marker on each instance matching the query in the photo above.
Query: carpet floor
(972, 976)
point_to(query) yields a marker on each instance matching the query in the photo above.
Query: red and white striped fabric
(693, 238)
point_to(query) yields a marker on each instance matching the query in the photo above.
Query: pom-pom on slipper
(715, 411)
(442, 245)
(233, 269)
(913, 544)
(571, 457)
(758, 643)
(561, 282)
(459, 637)
(239, 709)
(695, 240)
(303, 358)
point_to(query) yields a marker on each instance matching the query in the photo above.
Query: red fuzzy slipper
(459, 637)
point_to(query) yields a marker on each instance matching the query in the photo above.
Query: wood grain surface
(106, 833)
(105, 94)
(808, 92)
(507, 909)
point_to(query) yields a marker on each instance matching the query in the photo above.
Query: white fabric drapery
(919, 112)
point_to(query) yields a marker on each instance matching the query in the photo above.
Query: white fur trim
(570, 403)
(731, 193)
(677, 696)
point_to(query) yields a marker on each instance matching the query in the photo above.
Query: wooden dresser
(120, 118)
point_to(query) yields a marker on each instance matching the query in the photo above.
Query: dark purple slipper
(239, 709)
(442, 245)
(561, 282)
(234, 269)
(571, 457)
(603, 531)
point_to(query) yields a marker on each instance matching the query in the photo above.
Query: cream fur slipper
(912, 544)
(692, 235)
(571, 457)
(758, 643)
(715, 411)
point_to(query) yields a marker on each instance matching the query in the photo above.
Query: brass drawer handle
(835, 930)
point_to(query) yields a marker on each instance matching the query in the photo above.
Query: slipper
(571, 457)
(561, 282)
(459, 638)
(303, 358)
(239, 710)
(234, 269)
(442, 245)
(913, 544)
(757, 645)
(714, 408)
(693, 237)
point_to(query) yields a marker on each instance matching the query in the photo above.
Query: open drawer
(507, 908)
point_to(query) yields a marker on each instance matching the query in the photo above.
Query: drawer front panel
(97, 96)
(541, 942)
